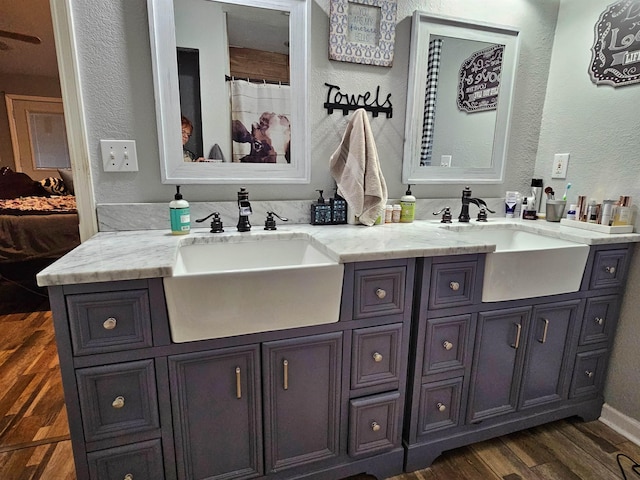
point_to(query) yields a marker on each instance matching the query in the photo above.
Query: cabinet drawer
(446, 344)
(589, 372)
(375, 356)
(439, 405)
(373, 424)
(379, 291)
(139, 461)
(609, 268)
(118, 399)
(109, 321)
(453, 284)
(600, 318)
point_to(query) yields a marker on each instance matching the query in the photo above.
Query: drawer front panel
(109, 321)
(589, 373)
(446, 344)
(139, 461)
(609, 268)
(118, 399)
(375, 356)
(600, 318)
(452, 284)
(379, 291)
(373, 424)
(439, 405)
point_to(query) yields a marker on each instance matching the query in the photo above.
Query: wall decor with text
(615, 58)
(479, 82)
(363, 31)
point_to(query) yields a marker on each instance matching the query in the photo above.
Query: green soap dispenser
(179, 214)
(407, 207)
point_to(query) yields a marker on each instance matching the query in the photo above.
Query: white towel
(356, 169)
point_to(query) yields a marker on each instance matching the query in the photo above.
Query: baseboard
(626, 426)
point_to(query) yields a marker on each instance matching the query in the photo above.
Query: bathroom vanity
(414, 364)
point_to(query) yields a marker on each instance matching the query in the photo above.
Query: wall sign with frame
(363, 31)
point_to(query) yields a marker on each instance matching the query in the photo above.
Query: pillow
(54, 186)
(16, 184)
(67, 178)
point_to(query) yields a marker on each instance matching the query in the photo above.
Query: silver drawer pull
(610, 270)
(285, 372)
(589, 373)
(447, 345)
(128, 476)
(110, 323)
(118, 402)
(381, 293)
(544, 332)
(455, 286)
(238, 383)
(377, 357)
(375, 426)
(518, 332)
(599, 320)
(441, 407)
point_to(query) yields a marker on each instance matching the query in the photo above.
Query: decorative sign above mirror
(200, 48)
(461, 80)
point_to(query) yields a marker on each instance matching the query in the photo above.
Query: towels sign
(336, 100)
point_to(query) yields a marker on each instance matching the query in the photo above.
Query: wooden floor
(34, 436)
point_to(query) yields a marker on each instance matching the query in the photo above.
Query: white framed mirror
(459, 101)
(266, 148)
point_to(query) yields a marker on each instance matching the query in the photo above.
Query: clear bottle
(179, 214)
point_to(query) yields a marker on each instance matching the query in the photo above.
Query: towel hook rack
(346, 102)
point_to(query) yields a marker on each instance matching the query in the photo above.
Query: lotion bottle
(407, 207)
(179, 214)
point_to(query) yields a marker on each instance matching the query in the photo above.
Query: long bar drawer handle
(589, 373)
(455, 286)
(441, 407)
(375, 426)
(128, 476)
(381, 293)
(610, 270)
(118, 402)
(377, 357)
(238, 383)
(285, 365)
(544, 332)
(599, 320)
(110, 323)
(447, 345)
(517, 344)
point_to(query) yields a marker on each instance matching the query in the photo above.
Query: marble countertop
(128, 255)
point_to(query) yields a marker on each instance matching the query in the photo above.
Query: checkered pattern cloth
(433, 69)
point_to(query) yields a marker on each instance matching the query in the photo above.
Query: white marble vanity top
(128, 255)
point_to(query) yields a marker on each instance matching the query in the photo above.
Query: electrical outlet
(560, 163)
(445, 161)
(119, 155)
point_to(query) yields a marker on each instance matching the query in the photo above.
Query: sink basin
(527, 264)
(241, 285)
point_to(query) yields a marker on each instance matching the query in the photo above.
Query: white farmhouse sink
(526, 264)
(236, 286)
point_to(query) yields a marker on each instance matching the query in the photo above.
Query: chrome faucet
(244, 210)
(466, 200)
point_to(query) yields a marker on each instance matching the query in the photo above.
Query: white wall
(598, 126)
(117, 84)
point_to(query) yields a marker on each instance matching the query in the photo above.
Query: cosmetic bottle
(623, 212)
(571, 213)
(408, 207)
(536, 191)
(338, 209)
(179, 214)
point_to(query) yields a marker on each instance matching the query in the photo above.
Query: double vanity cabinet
(415, 365)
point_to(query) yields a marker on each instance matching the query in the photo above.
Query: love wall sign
(615, 58)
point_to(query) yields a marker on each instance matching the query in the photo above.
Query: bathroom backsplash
(155, 216)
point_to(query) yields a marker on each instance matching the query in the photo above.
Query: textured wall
(598, 126)
(117, 84)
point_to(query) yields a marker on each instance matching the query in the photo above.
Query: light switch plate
(445, 161)
(560, 163)
(119, 155)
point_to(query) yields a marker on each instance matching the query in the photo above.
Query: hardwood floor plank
(526, 446)
(502, 460)
(59, 465)
(470, 465)
(555, 471)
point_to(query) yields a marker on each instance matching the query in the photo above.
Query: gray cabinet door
(302, 400)
(216, 409)
(545, 376)
(497, 362)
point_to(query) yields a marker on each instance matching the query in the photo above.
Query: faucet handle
(216, 223)
(446, 215)
(270, 222)
(482, 215)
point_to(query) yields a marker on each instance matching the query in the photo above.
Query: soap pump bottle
(407, 207)
(179, 214)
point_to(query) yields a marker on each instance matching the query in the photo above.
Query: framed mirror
(460, 89)
(208, 131)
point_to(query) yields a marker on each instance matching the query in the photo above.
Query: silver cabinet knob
(377, 357)
(375, 426)
(441, 407)
(610, 270)
(447, 345)
(118, 402)
(381, 293)
(128, 476)
(599, 320)
(589, 373)
(455, 286)
(110, 323)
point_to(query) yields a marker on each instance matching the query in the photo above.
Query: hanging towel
(356, 169)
